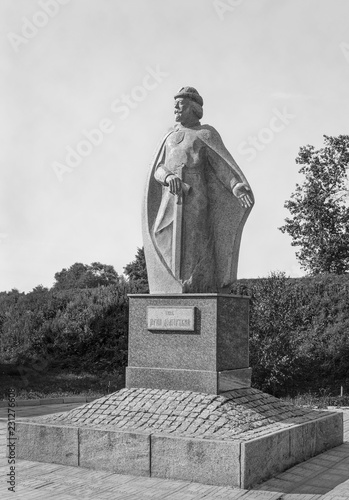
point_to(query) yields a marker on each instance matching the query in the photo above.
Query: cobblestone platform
(325, 477)
(238, 438)
(239, 414)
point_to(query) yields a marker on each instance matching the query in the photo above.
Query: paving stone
(230, 414)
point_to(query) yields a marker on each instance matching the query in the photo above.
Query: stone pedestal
(188, 342)
(237, 439)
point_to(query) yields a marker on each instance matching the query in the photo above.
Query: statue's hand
(174, 184)
(243, 193)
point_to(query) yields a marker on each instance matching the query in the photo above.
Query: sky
(86, 94)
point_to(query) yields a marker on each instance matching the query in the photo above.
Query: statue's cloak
(227, 215)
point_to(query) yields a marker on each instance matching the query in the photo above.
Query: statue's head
(188, 105)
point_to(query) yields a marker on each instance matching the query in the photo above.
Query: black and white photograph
(174, 249)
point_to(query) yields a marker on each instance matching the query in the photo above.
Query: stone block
(177, 380)
(218, 342)
(210, 382)
(115, 451)
(270, 454)
(167, 349)
(264, 457)
(200, 460)
(329, 432)
(229, 380)
(303, 441)
(232, 332)
(47, 443)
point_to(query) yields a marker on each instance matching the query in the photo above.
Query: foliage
(84, 276)
(273, 351)
(299, 332)
(319, 222)
(319, 399)
(136, 271)
(76, 328)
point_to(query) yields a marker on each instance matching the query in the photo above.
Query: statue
(196, 203)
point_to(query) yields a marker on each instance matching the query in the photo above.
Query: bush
(299, 332)
(80, 329)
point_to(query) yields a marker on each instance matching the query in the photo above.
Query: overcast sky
(87, 93)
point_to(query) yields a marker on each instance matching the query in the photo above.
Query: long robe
(212, 220)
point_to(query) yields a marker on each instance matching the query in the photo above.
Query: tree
(136, 271)
(84, 276)
(319, 222)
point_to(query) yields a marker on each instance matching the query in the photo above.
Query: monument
(188, 410)
(196, 203)
(189, 334)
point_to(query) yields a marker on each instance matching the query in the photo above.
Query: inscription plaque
(171, 318)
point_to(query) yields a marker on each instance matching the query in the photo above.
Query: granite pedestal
(191, 342)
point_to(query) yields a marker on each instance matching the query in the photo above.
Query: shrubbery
(299, 329)
(82, 329)
(299, 332)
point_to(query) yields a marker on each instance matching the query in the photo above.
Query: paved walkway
(324, 477)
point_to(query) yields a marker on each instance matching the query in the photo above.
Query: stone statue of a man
(196, 204)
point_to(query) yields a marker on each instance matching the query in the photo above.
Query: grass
(34, 385)
(322, 399)
(57, 383)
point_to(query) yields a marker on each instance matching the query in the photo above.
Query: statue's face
(183, 110)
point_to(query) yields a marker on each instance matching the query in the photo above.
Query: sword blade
(177, 233)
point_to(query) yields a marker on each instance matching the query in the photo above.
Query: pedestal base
(189, 380)
(195, 342)
(237, 439)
